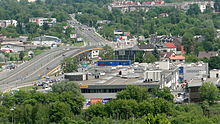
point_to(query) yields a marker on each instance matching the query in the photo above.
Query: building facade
(6, 23)
(41, 21)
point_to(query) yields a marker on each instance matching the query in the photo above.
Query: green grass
(78, 44)
(27, 88)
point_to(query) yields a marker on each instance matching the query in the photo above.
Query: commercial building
(195, 84)
(77, 76)
(164, 73)
(189, 71)
(117, 78)
(46, 41)
(41, 21)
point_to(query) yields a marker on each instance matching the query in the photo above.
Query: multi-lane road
(45, 62)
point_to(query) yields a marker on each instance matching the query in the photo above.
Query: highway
(47, 61)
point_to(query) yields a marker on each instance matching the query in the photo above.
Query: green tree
(149, 58)
(192, 58)
(106, 53)
(188, 42)
(214, 62)
(32, 27)
(70, 65)
(46, 26)
(21, 55)
(66, 86)
(164, 93)
(59, 110)
(133, 92)
(208, 92)
(96, 110)
(193, 10)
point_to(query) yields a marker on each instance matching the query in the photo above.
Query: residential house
(41, 21)
(6, 23)
(177, 59)
(164, 56)
(208, 54)
(170, 47)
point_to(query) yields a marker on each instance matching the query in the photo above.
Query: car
(45, 86)
(40, 84)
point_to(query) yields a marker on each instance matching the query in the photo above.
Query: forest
(64, 105)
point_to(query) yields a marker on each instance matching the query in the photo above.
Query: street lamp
(12, 118)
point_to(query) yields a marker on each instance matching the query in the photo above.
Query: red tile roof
(177, 57)
(170, 45)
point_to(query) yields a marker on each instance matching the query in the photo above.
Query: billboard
(73, 35)
(118, 31)
(79, 39)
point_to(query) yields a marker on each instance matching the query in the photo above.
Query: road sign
(84, 86)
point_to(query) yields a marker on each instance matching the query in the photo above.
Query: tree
(208, 92)
(66, 86)
(21, 55)
(192, 58)
(149, 58)
(59, 110)
(193, 10)
(214, 62)
(69, 65)
(122, 108)
(188, 42)
(106, 53)
(32, 27)
(46, 26)
(96, 110)
(133, 92)
(139, 57)
(164, 93)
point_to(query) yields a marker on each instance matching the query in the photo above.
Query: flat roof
(111, 80)
(198, 82)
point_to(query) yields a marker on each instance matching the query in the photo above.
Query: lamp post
(12, 118)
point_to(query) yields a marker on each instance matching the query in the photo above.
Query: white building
(214, 73)
(29, 0)
(6, 23)
(40, 21)
(46, 41)
(189, 71)
(163, 73)
(94, 54)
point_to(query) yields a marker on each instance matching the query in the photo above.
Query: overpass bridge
(40, 66)
(48, 61)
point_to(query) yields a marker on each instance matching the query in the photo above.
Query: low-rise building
(94, 54)
(41, 21)
(189, 71)
(76, 76)
(46, 41)
(164, 73)
(6, 23)
(215, 73)
(177, 59)
(194, 85)
(204, 54)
